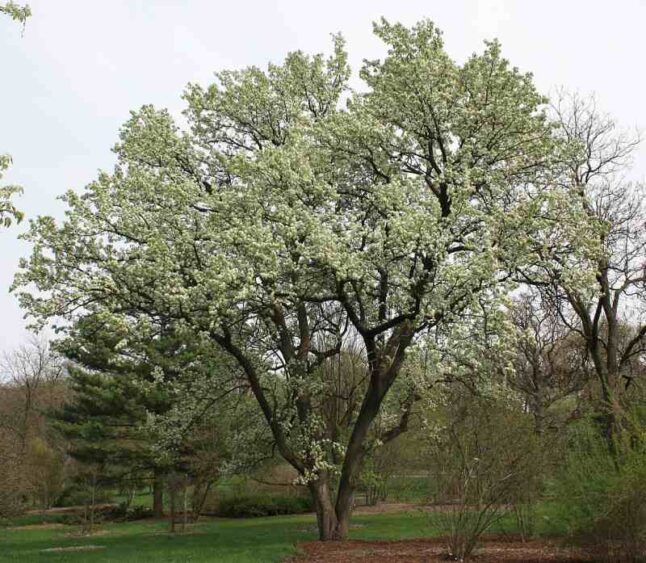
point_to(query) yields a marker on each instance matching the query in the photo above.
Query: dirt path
(388, 508)
(78, 509)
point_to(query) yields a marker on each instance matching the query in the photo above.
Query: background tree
(609, 319)
(32, 382)
(104, 417)
(118, 388)
(551, 362)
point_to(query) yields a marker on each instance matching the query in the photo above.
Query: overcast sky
(69, 81)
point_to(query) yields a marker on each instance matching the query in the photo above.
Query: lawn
(239, 540)
(212, 539)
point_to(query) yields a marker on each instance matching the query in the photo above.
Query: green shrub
(77, 494)
(374, 485)
(602, 499)
(253, 505)
(123, 513)
(110, 513)
(138, 512)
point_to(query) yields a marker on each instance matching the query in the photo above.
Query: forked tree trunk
(326, 517)
(354, 456)
(334, 518)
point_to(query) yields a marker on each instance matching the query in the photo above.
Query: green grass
(142, 498)
(550, 518)
(226, 540)
(212, 540)
(270, 539)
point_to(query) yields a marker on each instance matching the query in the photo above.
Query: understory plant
(486, 462)
(601, 493)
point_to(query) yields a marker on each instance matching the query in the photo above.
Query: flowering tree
(7, 209)
(17, 12)
(281, 226)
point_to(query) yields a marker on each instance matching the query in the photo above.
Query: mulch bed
(71, 509)
(492, 548)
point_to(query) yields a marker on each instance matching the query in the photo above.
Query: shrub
(123, 513)
(111, 513)
(486, 461)
(381, 466)
(253, 505)
(374, 484)
(76, 494)
(602, 499)
(138, 512)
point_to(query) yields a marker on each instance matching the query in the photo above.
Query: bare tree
(551, 361)
(30, 384)
(612, 319)
(32, 370)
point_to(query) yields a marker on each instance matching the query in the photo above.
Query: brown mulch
(71, 509)
(387, 508)
(390, 507)
(492, 548)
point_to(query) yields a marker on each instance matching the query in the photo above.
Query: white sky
(68, 83)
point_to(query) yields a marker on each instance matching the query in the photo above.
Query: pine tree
(105, 420)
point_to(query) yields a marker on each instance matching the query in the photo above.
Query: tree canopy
(295, 216)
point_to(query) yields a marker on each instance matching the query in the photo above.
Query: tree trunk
(200, 494)
(185, 504)
(334, 519)
(378, 387)
(610, 417)
(326, 517)
(538, 408)
(610, 407)
(173, 505)
(131, 496)
(158, 495)
(354, 457)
